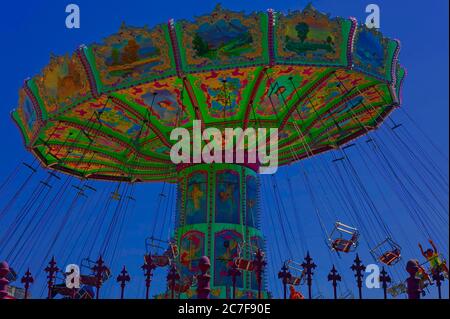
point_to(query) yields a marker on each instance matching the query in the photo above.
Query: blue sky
(31, 32)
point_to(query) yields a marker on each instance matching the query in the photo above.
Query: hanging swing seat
(91, 278)
(62, 290)
(244, 264)
(343, 238)
(387, 252)
(157, 260)
(244, 260)
(84, 292)
(298, 274)
(162, 252)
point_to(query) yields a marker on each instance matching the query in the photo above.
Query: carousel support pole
(148, 268)
(358, 268)
(172, 278)
(438, 279)
(284, 275)
(260, 263)
(27, 280)
(309, 266)
(99, 269)
(123, 278)
(334, 277)
(51, 271)
(4, 271)
(412, 282)
(385, 279)
(234, 272)
(203, 287)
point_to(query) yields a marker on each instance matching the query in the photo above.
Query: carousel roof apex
(218, 7)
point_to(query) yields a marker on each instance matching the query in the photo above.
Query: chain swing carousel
(106, 113)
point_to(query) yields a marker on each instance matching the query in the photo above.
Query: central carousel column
(218, 209)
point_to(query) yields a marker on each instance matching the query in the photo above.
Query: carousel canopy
(106, 111)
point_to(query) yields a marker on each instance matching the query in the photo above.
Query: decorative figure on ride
(387, 252)
(390, 257)
(413, 283)
(434, 259)
(347, 240)
(160, 256)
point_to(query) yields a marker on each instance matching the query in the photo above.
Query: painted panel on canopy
(121, 163)
(282, 85)
(155, 147)
(311, 37)
(133, 55)
(225, 250)
(224, 93)
(92, 162)
(367, 98)
(192, 248)
(27, 114)
(110, 174)
(112, 116)
(329, 93)
(166, 101)
(223, 39)
(60, 132)
(100, 144)
(88, 167)
(401, 73)
(196, 198)
(350, 124)
(374, 54)
(228, 197)
(288, 134)
(96, 158)
(63, 83)
(335, 135)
